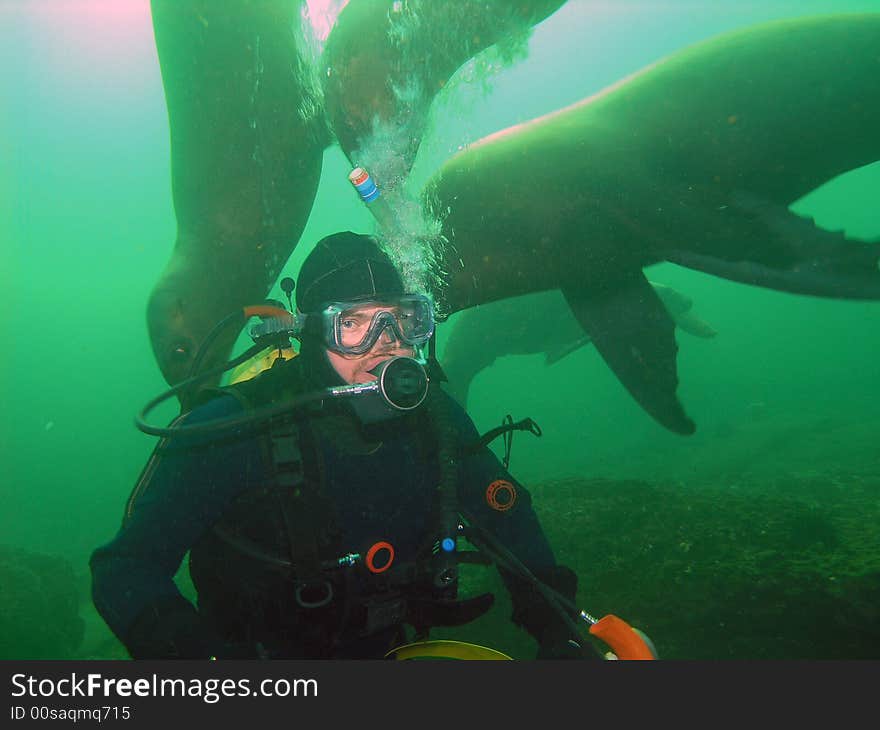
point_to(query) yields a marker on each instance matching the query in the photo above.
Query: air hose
(625, 641)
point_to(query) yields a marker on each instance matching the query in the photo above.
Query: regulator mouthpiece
(401, 385)
(402, 382)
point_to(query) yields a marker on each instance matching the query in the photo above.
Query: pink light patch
(88, 38)
(322, 16)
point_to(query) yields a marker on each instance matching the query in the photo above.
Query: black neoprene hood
(345, 266)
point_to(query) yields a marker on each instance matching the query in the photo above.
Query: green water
(786, 392)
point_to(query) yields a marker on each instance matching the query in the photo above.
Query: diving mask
(353, 328)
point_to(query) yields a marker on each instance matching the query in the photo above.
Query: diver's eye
(180, 351)
(349, 324)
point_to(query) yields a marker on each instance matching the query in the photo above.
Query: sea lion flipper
(693, 325)
(635, 335)
(775, 248)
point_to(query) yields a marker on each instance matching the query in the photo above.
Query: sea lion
(245, 164)
(693, 161)
(534, 324)
(385, 61)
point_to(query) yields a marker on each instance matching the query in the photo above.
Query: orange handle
(265, 310)
(623, 639)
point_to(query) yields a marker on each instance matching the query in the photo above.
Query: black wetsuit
(217, 498)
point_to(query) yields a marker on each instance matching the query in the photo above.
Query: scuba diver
(332, 528)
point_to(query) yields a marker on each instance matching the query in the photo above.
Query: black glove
(564, 648)
(533, 612)
(171, 628)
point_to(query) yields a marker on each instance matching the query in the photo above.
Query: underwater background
(756, 537)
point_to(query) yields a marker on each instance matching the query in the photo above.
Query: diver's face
(356, 368)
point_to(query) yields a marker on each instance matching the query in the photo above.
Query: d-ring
(322, 601)
(369, 560)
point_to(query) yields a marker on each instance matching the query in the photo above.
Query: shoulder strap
(297, 498)
(445, 557)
